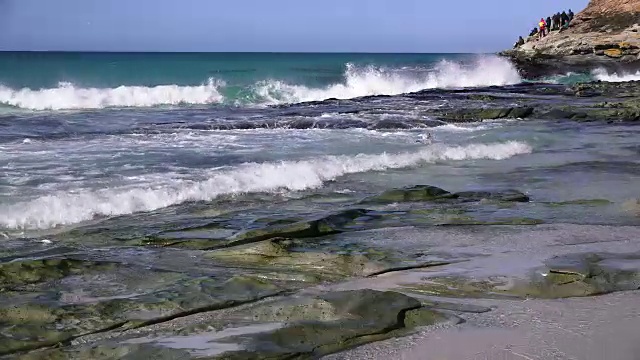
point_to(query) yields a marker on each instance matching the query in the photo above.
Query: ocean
(150, 161)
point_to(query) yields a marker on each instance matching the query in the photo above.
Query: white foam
(602, 75)
(484, 71)
(457, 128)
(67, 96)
(64, 208)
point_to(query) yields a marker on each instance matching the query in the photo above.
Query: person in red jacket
(543, 26)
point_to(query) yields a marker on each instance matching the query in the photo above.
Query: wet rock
(468, 115)
(296, 327)
(563, 276)
(20, 273)
(583, 202)
(468, 221)
(331, 224)
(419, 193)
(278, 254)
(632, 206)
(409, 194)
(49, 319)
(508, 196)
(216, 237)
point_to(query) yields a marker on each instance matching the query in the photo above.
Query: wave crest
(602, 75)
(67, 96)
(69, 208)
(358, 82)
(370, 80)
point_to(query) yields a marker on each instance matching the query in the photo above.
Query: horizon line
(235, 52)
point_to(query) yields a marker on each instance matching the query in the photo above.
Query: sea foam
(358, 81)
(67, 96)
(602, 75)
(370, 80)
(65, 208)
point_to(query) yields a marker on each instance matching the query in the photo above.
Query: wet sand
(590, 328)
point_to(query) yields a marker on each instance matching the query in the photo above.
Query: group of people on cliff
(557, 22)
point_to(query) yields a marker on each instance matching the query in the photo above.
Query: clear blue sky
(271, 25)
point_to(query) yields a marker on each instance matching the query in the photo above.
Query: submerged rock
(21, 273)
(308, 326)
(29, 322)
(431, 193)
(331, 224)
(472, 115)
(296, 228)
(413, 193)
(563, 276)
(277, 254)
(506, 195)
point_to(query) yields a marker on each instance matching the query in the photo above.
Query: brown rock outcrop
(606, 34)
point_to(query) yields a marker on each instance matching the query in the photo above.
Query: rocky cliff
(606, 34)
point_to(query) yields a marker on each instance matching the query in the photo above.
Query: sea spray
(67, 96)
(357, 81)
(370, 80)
(64, 208)
(602, 75)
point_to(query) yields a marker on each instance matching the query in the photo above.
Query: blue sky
(275, 25)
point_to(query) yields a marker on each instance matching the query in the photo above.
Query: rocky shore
(606, 35)
(291, 287)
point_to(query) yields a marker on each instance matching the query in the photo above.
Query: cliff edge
(606, 34)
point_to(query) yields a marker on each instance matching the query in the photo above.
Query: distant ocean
(55, 81)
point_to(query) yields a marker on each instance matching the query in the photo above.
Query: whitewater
(81, 205)
(357, 81)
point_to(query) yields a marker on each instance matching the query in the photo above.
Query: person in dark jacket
(570, 15)
(519, 43)
(549, 24)
(564, 19)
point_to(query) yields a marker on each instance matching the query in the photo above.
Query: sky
(275, 25)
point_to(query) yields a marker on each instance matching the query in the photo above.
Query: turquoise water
(72, 81)
(46, 70)
(59, 81)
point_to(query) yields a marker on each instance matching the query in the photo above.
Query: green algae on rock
(563, 276)
(479, 114)
(413, 193)
(277, 254)
(424, 193)
(25, 272)
(289, 228)
(301, 327)
(44, 322)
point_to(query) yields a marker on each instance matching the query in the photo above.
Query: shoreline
(588, 328)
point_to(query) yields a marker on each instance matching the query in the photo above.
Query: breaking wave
(67, 96)
(367, 81)
(602, 75)
(73, 207)
(358, 81)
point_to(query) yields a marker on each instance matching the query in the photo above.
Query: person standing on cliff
(570, 15)
(564, 20)
(543, 26)
(548, 24)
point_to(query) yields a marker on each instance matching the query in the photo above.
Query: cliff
(606, 34)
